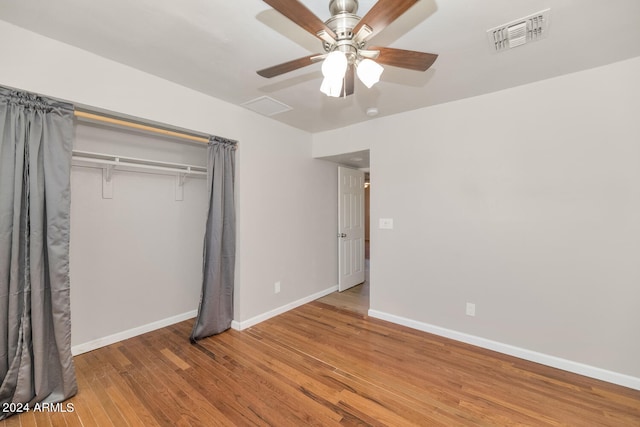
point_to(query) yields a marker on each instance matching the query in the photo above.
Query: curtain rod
(138, 126)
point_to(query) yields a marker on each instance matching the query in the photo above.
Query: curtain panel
(36, 137)
(215, 312)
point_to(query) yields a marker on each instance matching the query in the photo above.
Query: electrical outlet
(276, 287)
(471, 309)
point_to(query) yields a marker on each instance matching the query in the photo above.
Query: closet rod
(138, 126)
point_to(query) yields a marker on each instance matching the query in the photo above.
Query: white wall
(525, 202)
(289, 225)
(283, 194)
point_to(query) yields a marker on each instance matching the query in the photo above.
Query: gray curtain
(36, 136)
(216, 300)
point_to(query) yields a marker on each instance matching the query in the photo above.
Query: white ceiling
(215, 47)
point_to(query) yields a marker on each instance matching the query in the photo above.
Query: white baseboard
(262, 317)
(533, 356)
(130, 333)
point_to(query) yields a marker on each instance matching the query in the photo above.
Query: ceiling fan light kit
(344, 37)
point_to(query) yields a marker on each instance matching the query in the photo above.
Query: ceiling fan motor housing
(342, 23)
(343, 6)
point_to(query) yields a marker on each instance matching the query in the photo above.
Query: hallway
(355, 299)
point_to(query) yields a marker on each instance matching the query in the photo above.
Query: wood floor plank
(183, 393)
(11, 422)
(87, 404)
(272, 392)
(180, 363)
(153, 392)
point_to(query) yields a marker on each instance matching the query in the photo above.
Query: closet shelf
(83, 158)
(110, 162)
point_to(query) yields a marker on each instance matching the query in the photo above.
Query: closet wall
(136, 259)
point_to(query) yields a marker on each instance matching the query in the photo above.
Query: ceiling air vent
(521, 31)
(266, 106)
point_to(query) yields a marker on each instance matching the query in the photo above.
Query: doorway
(356, 298)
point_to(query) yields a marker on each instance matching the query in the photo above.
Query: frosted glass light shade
(334, 68)
(335, 65)
(331, 86)
(369, 72)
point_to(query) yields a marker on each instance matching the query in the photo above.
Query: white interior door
(350, 227)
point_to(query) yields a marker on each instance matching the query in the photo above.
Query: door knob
(342, 235)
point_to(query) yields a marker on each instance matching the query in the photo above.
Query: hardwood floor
(322, 365)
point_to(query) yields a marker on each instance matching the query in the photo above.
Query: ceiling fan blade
(349, 77)
(285, 67)
(411, 59)
(383, 13)
(300, 15)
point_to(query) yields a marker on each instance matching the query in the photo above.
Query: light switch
(386, 223)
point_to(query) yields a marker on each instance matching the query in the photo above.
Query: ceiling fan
(345, 36)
